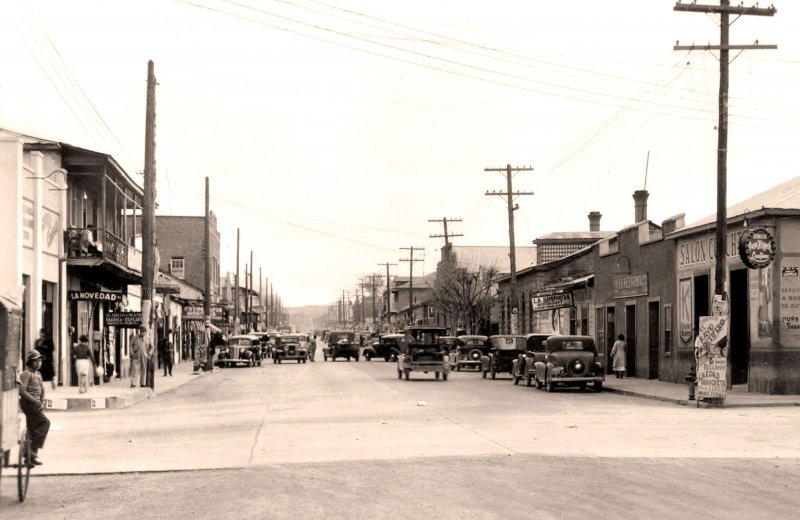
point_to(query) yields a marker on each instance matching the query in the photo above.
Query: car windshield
(536, 343)
(338, 336)
(291, 339)
(241, 342)
(569, 345)
(508, 343)
(424, 337)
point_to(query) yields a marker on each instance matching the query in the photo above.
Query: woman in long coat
(618, 352)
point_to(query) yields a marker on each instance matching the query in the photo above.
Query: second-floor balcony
(99, 247)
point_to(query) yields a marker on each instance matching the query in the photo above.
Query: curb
(693, 403)
(129, 397)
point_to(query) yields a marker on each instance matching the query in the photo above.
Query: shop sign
(790, 303)
(546, 301)
(685, 310)
(95, 296)
(697, 251)
(194, 313)
(756, 248)
(631, 285)
(124, 319)
(711, 353)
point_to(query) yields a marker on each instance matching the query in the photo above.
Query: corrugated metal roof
(782, 196)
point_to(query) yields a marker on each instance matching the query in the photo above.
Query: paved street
(327, 436)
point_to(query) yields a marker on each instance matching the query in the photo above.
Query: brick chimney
(640, 210)
(594, 220)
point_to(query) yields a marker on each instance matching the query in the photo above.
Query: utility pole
(209, 362)
(260, 297)
(724, 10)
(446, 235)
(510, 194)
(363, 316)
(246, 298)
(388, 289)
(411, 261)
(149, 268)
(250, 296)
(236, 289)
(374, 305)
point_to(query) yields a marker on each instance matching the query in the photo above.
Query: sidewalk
(679, 393)
(118, 393)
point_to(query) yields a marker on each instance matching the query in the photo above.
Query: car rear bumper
(574, 379)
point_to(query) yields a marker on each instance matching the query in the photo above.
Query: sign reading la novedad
(551, 300)
(95, 296)
(711, 352)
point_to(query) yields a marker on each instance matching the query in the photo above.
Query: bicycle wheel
(23, 466)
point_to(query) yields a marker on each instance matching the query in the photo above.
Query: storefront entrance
(611, 337)
(653, 330)
(630, 339)
(739, 332)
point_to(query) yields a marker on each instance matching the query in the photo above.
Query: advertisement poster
(685, 310)
(711, 352)
(790, 303)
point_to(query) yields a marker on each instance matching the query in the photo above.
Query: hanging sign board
(551, 300)
(95, 296)
(129, 320)
(711, 353)
(756, 248)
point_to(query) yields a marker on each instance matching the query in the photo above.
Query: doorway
(700, 301)
(630, 339)
(611, 336)
(653, 328)
(738, 333)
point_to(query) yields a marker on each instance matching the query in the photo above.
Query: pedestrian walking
(31, 401)
(165, 349)
(138, 358)
(618, 354)
(312, 347)
(44, 345)
(84, 364)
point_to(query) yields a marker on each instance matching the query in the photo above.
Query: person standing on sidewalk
(138, 358)
(84, 364)
(31, 401)
(165, 348)
(312, 347)
(44, 345)
(618, 354)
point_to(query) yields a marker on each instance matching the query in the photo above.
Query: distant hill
(309, 317)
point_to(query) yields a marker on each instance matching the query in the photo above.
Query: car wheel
(484, 374)
(550, 386)
(356, 358)
(458, 368)
(279, 361)
(437, 375)
(528, 380)
(582, 386)
(598, 386)
(368, 356)
(386, 358)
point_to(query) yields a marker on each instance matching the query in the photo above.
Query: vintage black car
(423, 351)
(469, 351)
(523, 366)
(341, 344)
(505, 349)
(386, 346)
(569, 360)
(239, 350)
(290, 346)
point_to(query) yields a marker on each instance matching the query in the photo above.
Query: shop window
(573, 320)
(668, 330)
(584, 321)
(176, 266)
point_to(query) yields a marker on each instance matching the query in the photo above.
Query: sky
(332, 131)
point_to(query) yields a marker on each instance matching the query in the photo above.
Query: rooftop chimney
(640, 210)
(594, 220)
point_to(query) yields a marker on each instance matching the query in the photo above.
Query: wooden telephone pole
(149, 267)
(724, 10)
(388, 291)
(209, 363)
(411, 261)
(446, 235)
(509, 194)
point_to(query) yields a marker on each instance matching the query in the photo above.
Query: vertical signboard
(711, 352)
(685, 310)
(790, 302)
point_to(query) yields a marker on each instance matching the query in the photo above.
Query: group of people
(142, 358)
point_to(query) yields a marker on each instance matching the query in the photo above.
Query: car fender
(486, 361)
(539, 369)
(515, 367)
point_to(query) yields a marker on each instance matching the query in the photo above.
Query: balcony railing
(101, 243)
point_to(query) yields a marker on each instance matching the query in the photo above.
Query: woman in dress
(84, 365)
(618, 355)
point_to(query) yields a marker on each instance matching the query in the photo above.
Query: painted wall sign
(685, 310)
(631, 285)
(700, 250)
(95, 296)
(756, 247)
(551, 300)
(790, 302)
(51, 231)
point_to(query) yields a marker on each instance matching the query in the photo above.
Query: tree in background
(466, 296)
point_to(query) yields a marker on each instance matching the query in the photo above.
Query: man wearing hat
(31, 401)
(139, 355)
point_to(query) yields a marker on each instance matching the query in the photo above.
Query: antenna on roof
(646, 167)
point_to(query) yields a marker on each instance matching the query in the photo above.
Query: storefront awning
(577, 282)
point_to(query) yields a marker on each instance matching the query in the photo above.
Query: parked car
(523, 366)
(264, 342)
(570, 360)
(469, 351)
(291, 346)
(450, 342)
(238, 351)
(386, 346)
(505, 349)
(423, 351)
(341, 343)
